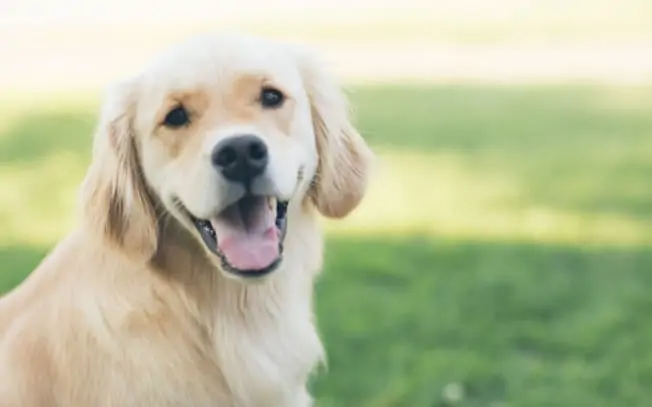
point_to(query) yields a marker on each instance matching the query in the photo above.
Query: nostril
(257, 151)
(226, 157)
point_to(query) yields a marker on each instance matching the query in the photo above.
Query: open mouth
(247, 235)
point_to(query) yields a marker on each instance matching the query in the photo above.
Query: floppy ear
(344, 158)
(115, 199)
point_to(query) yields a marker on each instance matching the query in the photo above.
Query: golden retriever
(188, 280)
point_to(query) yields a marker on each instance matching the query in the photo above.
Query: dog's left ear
(115, 201)
(344, 157)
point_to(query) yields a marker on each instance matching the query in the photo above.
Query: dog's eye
(271, 98)
(176, 117)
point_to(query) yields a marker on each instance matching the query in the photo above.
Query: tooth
(271, 202)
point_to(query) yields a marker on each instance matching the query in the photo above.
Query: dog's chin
(245, 239)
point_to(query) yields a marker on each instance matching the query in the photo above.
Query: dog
(188, 279)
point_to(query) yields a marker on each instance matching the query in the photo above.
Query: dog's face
(226, 141)
(232, 136)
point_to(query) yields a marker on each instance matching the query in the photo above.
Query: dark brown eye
(271, 98)
(176, 117)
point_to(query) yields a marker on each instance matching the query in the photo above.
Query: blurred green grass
(505, 246)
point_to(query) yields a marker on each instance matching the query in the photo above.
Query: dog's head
(233, 136)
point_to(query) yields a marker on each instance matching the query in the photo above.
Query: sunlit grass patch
(38, 200)
(445, 195)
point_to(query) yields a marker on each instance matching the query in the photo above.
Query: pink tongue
(250, 252)
(250, 243)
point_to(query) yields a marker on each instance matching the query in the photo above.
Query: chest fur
(267, 361)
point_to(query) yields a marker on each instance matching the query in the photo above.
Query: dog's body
(132, 309)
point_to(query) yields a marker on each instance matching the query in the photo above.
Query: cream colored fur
(130, 309)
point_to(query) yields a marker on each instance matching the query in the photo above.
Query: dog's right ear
(116, 203)
(345, 159)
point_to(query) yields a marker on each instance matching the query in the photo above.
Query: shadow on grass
(513, 323)
(469, 118)
(16, 262)
(522, 324)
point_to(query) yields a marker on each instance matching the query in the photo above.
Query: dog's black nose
(240, 158)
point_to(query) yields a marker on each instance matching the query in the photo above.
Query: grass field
(503, 256)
